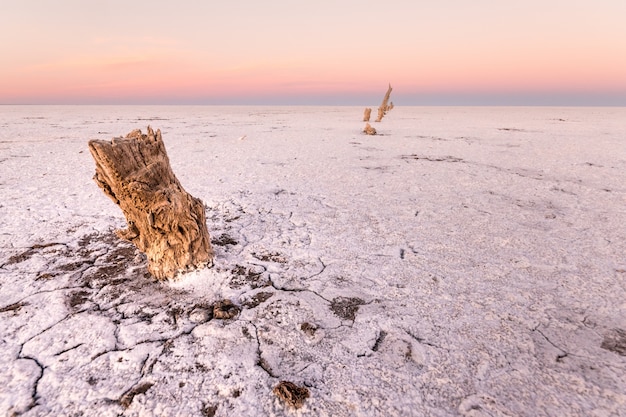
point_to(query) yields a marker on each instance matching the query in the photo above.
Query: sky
(332, 52)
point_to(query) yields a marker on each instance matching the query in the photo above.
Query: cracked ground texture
(464, 262)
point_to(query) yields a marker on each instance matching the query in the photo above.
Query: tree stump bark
(369, 130)
(164, 221)
(384, 107)
(366, 114)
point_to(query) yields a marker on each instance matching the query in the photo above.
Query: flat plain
(465, 261)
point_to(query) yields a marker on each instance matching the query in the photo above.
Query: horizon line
(532, 99)
(213, 104)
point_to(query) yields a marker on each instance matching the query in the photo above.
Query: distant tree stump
(384, 106)
(366, 114)
(164, 221)
(369, 130)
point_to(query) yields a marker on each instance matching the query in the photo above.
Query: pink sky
(335, 52)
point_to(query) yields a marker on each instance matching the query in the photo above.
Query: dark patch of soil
(15, 307)
(100, 257)
(511, 129)
(447, 158)
(225, 309)
(379, 340)
(26, 255)
(45, 276)
(109, 271)
(615, 341)
(257, 299)
(248, 276)
(408, 355)
(77, 298)
(118, 259)
(291, 394)
(128, 397)
(73, 266)
(346, 307)
(109, 238)
(270, 257)
(224, 240)
(20, 257)
(208, 410)
(246, 333)
(174, 313)
(201, 367)
(123, 251)
(308, 328)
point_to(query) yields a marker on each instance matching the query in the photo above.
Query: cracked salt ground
(466, 263)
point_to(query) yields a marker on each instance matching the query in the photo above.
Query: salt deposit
(464, 261)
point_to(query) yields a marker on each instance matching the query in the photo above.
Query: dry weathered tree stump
(366, 114)
(385, 107)
(164, 221)
(369, 130)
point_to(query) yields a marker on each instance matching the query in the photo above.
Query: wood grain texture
(164, 221)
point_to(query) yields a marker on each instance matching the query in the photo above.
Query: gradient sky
(458, 52)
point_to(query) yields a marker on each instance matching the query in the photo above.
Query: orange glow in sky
(280, 51)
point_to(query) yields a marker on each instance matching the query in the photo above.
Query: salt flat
(466, 261)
